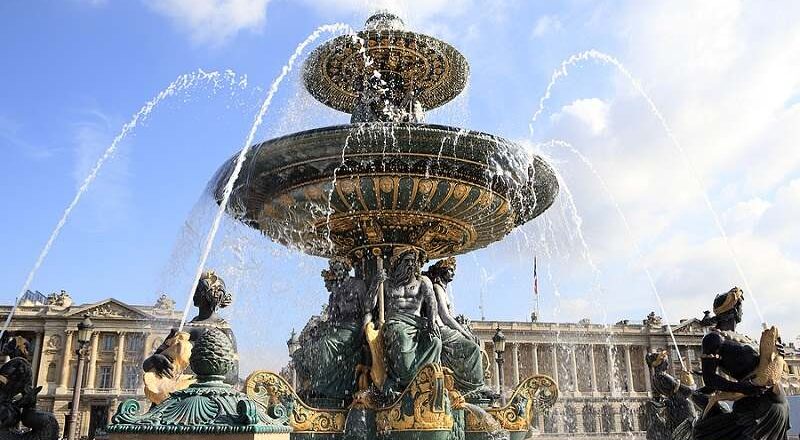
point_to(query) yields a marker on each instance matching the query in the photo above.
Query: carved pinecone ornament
(213, 354)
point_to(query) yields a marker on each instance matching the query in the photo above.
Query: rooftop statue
(18, 397)
(760, 410)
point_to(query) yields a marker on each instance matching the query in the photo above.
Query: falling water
(608, 59)
(209, 242)
(637, 248)
(182, 83)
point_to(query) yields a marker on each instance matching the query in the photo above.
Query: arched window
(570, 420)
(589, 422)
(627, 418)
(607, 419)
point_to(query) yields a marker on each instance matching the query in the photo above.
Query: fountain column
(515, 358)
(90, 382)
(37, 351)
(629, 369)
(535, 358)
(64, 378)
(118, 360)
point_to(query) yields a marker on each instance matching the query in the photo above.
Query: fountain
(381, 196)
(378, 198)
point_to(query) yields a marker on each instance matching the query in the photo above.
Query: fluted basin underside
(341, 190)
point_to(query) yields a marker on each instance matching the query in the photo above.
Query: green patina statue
(461, 351)
(331, 347)
(411, 336)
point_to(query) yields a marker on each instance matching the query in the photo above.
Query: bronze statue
(326, 363)
(461, 351)
(18, 397)
(763, 412)
(672, 410)
(411, 340)
(171, 360)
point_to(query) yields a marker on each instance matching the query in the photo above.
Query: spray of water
(209, 241)
(608, 59)
(637, 249)
(182, 83)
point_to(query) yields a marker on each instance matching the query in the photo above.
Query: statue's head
(443, 270)
(406, 264)
(728, 305)
(338, 270)
(16, 347)
(211, 292)
(657, 360)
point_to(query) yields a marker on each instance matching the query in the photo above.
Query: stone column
(611, 368)
(535, 358)
(118, 360)
(515, 359)
(37, 354)
(554, 356)
(574, 361)
(90, 382)
(629, 368)
(63, 381)
(594, 369)
(647, 385)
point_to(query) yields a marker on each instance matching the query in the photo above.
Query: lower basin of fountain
(343, 189)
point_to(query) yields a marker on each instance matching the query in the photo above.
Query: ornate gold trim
(430, 408)
(534, 393)
(272, 392)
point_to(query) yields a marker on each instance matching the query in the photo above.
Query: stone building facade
(123, 335)
(601, 370)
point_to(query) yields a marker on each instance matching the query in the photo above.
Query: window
(51, 372)
(570, 420)
(550, 421)
(627, 419)
(134, 343)
(104, 377)
(109, 342)
(589, 424)
(608, 419)
(131, 377)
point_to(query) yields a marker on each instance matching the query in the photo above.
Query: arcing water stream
(629, 231)
(182, 83)
(608, 59)
(209, 242)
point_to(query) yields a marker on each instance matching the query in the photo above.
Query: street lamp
(293, 344)
(499, 340)
(85, 328)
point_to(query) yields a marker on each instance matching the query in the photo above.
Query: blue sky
(726, 76)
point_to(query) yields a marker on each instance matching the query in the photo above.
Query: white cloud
(545, 25)
(592, 112)
(213, 21)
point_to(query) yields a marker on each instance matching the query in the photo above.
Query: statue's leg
(463, 356)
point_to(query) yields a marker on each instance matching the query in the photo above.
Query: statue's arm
(158, 362)
(369, 299)
(711, 345)
(444, 311)
(430, 304)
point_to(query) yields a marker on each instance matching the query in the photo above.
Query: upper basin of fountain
(408, 64)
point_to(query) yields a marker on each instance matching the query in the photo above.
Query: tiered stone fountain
(388, 191)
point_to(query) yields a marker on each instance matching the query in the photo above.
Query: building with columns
(601, 371)
(123, 335)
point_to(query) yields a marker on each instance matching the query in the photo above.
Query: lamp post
(499, 340)
(293, 344)
(85, 328)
